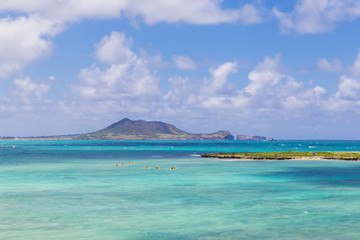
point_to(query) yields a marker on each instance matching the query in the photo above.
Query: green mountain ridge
(140, 129)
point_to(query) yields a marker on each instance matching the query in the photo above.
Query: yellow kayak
(123, 164)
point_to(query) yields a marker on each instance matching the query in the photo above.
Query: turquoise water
(71, 190)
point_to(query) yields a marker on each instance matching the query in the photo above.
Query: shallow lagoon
(71, 190)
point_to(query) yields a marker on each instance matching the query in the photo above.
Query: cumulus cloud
(122, 83)
(265, 74)
(24, 40)
(319, 91)
(28, 97)
(219, 79)
(249, 14)
(184, 62)
(349, 88)
(310, 16)
(194, 12)
(180, 99)
(27, 38)
(27, 88)
(126, 75)
(130, 80)
(268, 88)
(216, 92)
(347, 97)
(200, 12)
(334, 66)
(115, 49)
(66, 10)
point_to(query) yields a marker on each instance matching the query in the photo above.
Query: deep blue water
(72, 190)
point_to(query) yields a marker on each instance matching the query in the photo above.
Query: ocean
(72, 190)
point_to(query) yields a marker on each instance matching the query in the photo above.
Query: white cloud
(128, 80)
(250, 14)
(349, 88)
(347, 98)
(193, 12)
(115, 49)
(179, 91)
(24, 40)
(293, 102)
(319, 91)
(213, 93)
(27, 38)
(268, 89)
(311, 16)
(66, 10)
(184, 62)
(308, 99)
(325, 65)
(126, 74)
(180, 99)
(27, 88)
(29, 97)
(218, 84)
(264, 76)
(189, 11)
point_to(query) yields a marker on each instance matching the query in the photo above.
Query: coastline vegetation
(288, 155)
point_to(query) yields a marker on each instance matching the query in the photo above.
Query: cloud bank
(310, 17)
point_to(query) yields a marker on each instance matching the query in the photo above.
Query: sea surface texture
(72, 190)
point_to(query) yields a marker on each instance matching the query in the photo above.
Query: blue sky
(282, 69)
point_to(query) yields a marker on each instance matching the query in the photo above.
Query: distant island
(247, 138)
(127, 129)
(140, 129)
(288, 155)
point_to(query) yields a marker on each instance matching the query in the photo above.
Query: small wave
(311, 147)
(184, 185)
(195, 155)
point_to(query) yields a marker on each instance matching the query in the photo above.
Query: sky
(275, 68)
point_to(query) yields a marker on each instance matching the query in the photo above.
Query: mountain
(140, 129)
